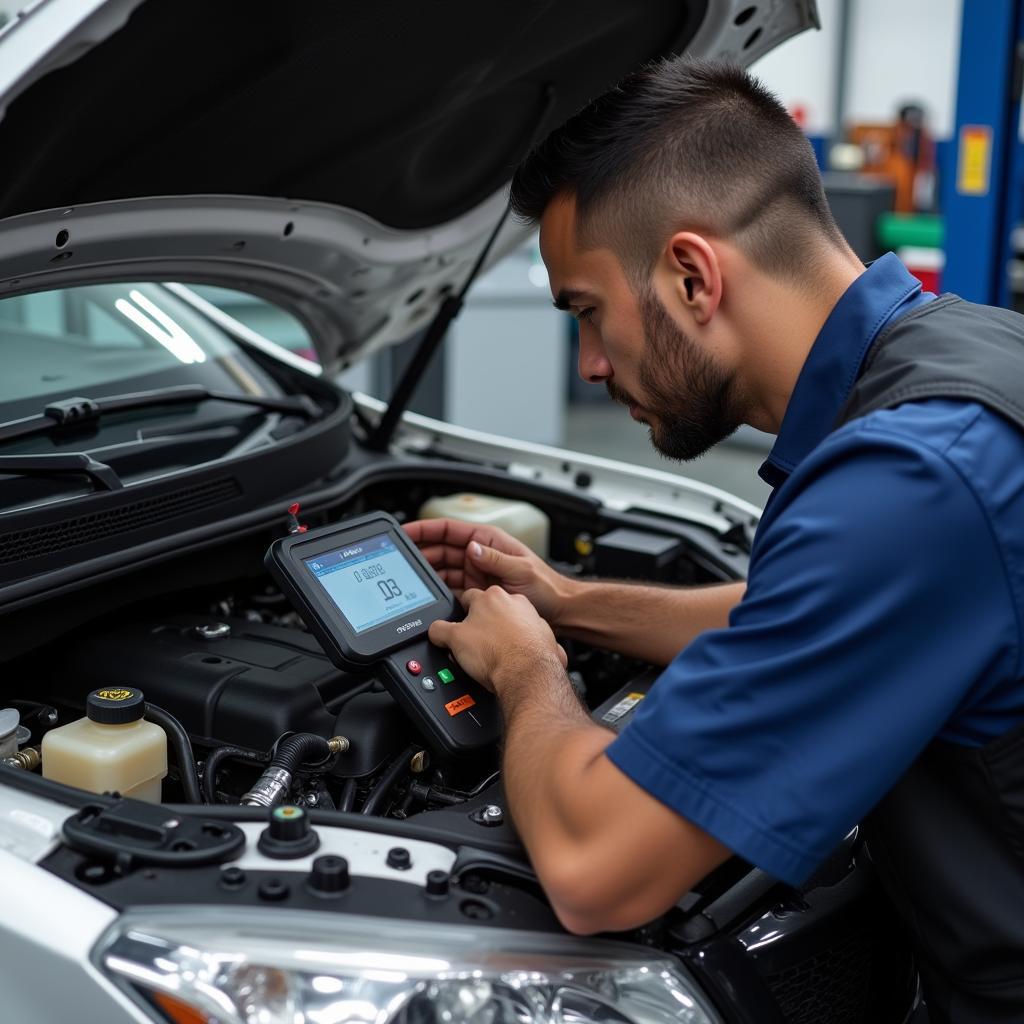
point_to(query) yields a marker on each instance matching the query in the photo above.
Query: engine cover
(226, 680)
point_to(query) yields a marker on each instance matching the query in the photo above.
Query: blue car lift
(983, 196)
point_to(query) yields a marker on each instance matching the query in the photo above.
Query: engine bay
(233, 663)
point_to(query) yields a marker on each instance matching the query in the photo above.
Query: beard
(693, 399)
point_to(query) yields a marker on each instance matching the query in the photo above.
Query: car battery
(618, 710)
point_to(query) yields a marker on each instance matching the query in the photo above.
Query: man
(871, 669)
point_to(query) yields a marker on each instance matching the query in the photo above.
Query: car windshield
(107, 341)
(109, 338)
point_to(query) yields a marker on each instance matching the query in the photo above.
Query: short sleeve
(876, 598)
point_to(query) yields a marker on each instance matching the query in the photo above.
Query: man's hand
(470, 557)
(653, 623)
(501, 640)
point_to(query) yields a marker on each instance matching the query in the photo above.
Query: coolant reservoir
(523, 521)
(112, 749)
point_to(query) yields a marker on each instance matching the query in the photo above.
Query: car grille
(830, 987)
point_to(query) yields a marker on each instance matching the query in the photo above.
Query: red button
(414, 667)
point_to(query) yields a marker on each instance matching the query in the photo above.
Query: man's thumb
(492, 561)
(440, 632)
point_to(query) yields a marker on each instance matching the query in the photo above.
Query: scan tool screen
(370, 581)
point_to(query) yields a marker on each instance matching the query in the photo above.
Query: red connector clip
(294, 526)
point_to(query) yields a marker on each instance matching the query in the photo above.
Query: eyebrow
(568, 297)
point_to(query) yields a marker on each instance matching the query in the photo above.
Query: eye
(585, 315)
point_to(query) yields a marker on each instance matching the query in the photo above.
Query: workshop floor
(607, 430)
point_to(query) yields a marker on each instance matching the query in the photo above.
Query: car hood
(348, 161)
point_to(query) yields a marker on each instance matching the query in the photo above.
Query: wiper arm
(78, 412)
(102, 476)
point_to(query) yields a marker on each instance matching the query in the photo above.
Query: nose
(594, 366)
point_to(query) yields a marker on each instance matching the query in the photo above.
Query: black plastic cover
(245, 688)
(132, 833)
(636, 554)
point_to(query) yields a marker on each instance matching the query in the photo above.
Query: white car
(150, 448)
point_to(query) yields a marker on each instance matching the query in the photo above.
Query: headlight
(294, 967)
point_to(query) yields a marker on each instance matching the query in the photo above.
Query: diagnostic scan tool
(369, 596)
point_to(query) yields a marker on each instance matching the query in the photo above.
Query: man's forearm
(550, 743)
(608, 855)
(652, 623)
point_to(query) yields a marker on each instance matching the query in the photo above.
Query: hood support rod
(381, 437)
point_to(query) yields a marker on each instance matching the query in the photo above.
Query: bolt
(311, 799)
(233, 877)
(493, 815)
(399, 858)
(329, 875)
(273, 889)
(437, 883)
(476, 910)
(212, 630)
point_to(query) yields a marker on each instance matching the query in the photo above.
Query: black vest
(948, 839)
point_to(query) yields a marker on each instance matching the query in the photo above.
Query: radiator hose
(182, 746)
(302, 748)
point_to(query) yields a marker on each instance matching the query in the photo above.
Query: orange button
(453, 707)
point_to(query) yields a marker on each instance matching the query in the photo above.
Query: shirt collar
(884, 291)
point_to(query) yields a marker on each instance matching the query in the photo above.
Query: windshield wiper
(103, 477)
(80, 412)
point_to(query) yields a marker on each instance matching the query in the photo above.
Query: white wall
(906, 50)
(899, 50)
(801, 72)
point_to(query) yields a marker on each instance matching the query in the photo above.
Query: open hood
(345, 160)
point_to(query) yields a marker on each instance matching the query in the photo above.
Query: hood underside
(412, 114)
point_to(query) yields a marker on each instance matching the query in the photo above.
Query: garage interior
(914, 113)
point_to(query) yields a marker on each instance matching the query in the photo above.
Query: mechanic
(870, 669)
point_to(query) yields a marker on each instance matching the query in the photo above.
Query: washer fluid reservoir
(112, 749)
(523, 521)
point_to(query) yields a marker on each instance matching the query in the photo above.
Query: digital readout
(370, 581)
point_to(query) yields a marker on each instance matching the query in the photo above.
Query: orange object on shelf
(903, 152)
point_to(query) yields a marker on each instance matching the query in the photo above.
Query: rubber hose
(387, 780)
(213, 764)
(178, 739)
(299, 749)
(348, 795)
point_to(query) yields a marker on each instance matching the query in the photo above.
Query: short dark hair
(684, 143)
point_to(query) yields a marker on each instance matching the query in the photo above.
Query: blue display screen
(371, 581)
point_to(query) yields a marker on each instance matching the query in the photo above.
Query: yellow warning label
(115, 694)
(975, 160)
(453, 707)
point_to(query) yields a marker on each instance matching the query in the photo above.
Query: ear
(695, 273)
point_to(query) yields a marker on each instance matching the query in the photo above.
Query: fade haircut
(684, 144)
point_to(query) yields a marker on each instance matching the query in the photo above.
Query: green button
(446, 675)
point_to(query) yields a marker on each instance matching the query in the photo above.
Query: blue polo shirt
(883, 610)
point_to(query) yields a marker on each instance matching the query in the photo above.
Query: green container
(921, 230)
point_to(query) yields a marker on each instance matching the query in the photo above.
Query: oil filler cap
(115, 705)
(288, 835)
